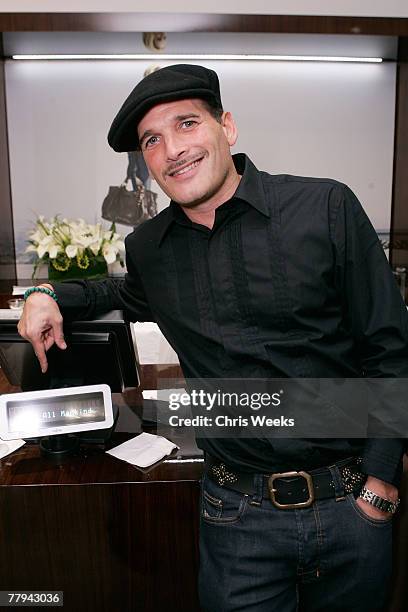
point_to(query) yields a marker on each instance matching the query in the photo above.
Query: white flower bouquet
(74, 248)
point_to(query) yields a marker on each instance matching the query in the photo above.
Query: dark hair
(214, 110)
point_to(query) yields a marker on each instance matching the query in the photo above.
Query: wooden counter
(111, 536)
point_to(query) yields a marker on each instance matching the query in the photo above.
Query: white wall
(330, 120)
(373, 8)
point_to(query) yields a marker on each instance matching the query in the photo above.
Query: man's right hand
(41, 324)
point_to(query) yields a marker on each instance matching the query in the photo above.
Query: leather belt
(295, 489)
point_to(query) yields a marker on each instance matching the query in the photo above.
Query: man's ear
(229, 127)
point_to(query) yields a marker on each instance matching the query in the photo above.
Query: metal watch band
(375, 500)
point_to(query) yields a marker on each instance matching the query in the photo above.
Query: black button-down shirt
(291, 281)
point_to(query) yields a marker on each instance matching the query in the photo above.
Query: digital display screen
(50, 412)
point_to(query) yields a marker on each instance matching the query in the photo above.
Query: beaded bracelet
(40, 290)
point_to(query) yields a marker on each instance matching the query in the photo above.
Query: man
(250, 275)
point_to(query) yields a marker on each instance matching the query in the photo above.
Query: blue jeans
(257, 558)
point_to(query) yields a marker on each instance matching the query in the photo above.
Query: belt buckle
(272, 490)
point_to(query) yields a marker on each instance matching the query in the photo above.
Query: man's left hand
(381, 488)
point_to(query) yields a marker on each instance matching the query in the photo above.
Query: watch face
(33, 414)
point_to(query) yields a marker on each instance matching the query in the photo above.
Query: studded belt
(290, 489)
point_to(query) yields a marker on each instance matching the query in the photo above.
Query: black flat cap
(165, 85)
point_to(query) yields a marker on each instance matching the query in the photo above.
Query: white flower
(109, 252)
(47, 245)
(95, 247)
(119, 245)
(53, 250)
(71, 250)
(74, 238)
(38, 235)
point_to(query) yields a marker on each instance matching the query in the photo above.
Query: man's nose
(175, 147)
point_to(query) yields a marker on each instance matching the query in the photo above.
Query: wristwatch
(386, 505)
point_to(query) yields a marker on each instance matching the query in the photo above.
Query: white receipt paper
(151, 345)
(18, 290)
(143, 450)
(9, 447)
(9, 313)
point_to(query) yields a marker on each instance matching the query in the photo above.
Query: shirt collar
(250, 189)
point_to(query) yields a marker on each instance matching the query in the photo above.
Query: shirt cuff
(382, 458)
(72, 298)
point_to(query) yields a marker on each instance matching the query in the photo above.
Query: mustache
(182, 162)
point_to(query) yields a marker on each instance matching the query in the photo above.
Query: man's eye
(189, 123)
(151, 141)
